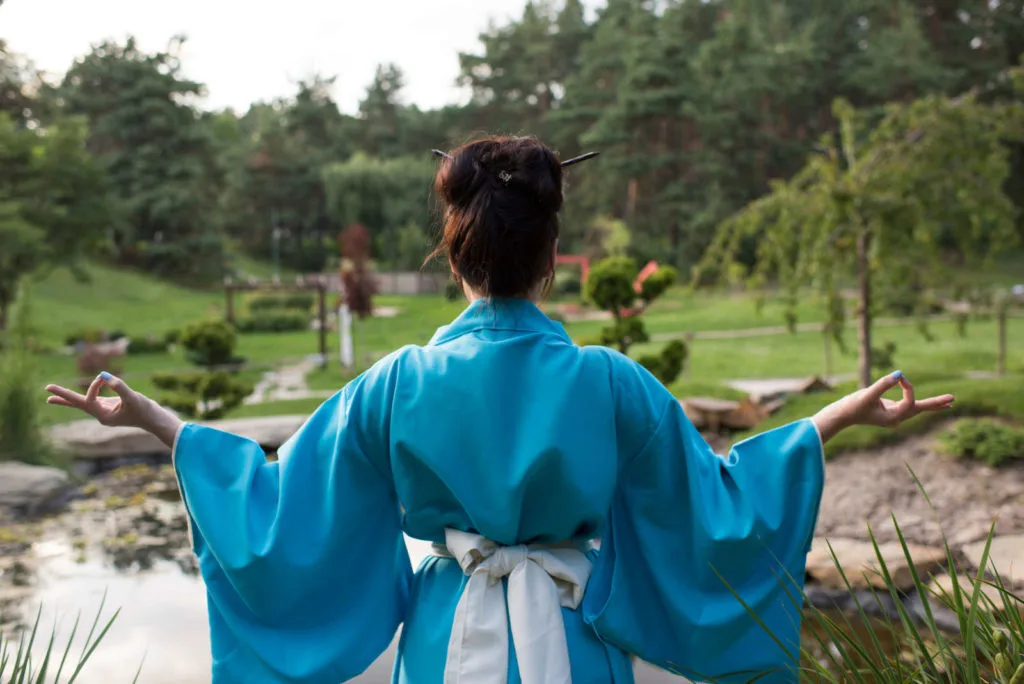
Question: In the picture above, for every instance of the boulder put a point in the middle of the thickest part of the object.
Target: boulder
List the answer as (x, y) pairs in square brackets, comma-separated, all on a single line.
[(1006, 555), (860, 564), (942, 587), (31, 489), (88, 439)]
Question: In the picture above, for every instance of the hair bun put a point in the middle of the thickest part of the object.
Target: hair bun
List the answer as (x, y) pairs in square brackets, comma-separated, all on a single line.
[(523, 168)]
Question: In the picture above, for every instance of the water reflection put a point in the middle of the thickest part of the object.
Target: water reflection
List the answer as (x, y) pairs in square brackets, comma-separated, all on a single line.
[(162, 623)]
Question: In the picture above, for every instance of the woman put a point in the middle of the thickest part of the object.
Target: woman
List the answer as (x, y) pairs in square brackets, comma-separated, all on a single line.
[(511, 449)]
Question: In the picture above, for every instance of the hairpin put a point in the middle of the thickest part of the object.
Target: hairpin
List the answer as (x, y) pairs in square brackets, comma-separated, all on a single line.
[(567, 162), (581, 158), (504, 176)]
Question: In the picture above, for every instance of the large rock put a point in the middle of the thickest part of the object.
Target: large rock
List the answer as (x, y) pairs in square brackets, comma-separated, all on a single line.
[(860, 564), (32, 489), (89, 439), (942, 587), (1006, 554)]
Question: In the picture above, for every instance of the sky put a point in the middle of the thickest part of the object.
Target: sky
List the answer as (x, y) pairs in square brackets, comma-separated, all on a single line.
[(251, 51)]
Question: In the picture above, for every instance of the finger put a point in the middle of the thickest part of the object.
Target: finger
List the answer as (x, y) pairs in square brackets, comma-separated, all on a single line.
[(118, 385), (908, 395), (74, 398), (94, 389), (59, 401), (883, 385), (935, 403)]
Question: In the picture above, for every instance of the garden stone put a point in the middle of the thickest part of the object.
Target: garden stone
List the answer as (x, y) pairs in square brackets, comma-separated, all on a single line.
[(31, 489), (942, 588), (89, 440), (1006, 554), (860, 564)]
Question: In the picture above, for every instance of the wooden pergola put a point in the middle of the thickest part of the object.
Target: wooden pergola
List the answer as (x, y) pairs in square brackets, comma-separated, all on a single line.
[(317, 284)]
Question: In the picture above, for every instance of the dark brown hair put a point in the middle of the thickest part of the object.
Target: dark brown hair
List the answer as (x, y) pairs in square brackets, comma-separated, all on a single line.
[(501, 197)]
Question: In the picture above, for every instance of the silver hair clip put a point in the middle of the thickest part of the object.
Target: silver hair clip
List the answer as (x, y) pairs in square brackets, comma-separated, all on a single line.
[(504, 176)]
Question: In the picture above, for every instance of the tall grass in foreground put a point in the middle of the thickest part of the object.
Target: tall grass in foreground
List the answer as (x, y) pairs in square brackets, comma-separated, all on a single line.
[(877, 647), (18, 667)]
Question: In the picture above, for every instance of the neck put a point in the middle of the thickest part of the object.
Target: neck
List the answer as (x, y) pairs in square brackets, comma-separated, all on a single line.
[(533, 296)]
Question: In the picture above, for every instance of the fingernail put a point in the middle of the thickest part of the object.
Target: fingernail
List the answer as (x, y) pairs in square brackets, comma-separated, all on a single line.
[(897, 375), (106, 376)]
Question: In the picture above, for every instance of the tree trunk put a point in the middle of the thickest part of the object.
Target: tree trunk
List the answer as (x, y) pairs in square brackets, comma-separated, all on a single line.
[(1001, 354), (827, 338), (864, 310), (4, 307)]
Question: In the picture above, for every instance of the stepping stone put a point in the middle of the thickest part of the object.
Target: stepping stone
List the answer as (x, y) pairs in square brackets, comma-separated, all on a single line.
[(860, 564), (1006, 554), (942, 587)]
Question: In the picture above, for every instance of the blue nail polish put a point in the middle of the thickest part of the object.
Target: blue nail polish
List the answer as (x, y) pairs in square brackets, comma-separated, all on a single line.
[(897, 375), (106, 376)]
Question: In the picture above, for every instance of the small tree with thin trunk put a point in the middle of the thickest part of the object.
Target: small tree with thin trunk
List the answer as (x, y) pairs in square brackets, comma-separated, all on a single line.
[(611, 286), (884, 207), (356, 278)]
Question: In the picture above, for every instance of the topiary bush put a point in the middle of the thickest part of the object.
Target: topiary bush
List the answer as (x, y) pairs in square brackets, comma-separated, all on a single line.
[(667, 365), (205, 396), (452, 291), (146, 345), (210, 343), (611, 287), (990, 441), (610, 284), (297, 301), (273, 321)]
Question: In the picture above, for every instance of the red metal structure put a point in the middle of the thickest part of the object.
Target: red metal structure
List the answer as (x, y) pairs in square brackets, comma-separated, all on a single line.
[(581, 261)]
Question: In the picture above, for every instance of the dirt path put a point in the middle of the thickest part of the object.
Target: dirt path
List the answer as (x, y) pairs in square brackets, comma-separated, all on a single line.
[(868, 486)]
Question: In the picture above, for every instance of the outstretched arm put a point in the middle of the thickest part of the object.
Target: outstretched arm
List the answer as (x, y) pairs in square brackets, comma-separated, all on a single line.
[(868, 407), (128, 409)]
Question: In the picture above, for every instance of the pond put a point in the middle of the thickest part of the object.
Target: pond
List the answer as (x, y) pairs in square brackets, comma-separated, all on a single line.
[(124, 545)]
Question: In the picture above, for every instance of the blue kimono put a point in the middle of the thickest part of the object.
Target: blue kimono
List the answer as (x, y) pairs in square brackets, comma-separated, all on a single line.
[(511, 449)]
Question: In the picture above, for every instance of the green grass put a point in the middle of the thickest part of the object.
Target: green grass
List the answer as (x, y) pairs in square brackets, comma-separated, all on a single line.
[(130, 301)]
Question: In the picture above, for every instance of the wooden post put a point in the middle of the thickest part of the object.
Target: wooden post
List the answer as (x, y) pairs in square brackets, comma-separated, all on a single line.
[(229, 294), (321, 291), (827, 336), (688, 364), (1001, 354)]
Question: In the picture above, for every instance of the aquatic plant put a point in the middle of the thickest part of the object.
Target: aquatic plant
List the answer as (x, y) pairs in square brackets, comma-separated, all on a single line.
[(891, 645), (17, 665)]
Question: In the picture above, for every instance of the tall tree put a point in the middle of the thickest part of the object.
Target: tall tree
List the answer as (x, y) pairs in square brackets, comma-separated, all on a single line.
[(380, 112), (885, 201), (53, 201), (158, 152)]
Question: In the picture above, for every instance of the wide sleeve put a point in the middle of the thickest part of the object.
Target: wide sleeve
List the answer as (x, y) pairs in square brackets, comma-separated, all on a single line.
[(304, 561), (696, 545)]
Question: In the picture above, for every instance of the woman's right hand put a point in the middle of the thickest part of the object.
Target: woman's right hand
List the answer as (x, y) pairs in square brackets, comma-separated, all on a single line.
[(128, 409), (869, 407)]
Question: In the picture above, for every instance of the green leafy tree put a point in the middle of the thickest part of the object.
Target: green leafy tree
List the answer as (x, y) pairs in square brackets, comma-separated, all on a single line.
[(610, 286), (53, 201), (885, 204), (159, 153), (385, 196)]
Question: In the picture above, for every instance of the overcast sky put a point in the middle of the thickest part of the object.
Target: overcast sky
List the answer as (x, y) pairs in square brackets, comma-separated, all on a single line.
[(244, 54)]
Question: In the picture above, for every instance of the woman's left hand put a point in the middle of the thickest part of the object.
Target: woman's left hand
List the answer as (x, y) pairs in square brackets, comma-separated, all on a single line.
[(869, 407)]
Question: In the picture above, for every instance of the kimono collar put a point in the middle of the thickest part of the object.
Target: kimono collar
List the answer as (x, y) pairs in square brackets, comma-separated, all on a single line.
[(500, 314)]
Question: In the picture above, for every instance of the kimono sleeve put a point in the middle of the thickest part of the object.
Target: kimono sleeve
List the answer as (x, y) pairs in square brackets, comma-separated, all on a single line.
[(304, 561), (692, 536)]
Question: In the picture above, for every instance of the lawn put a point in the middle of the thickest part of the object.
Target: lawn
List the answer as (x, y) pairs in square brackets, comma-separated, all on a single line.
[(138, 305)]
